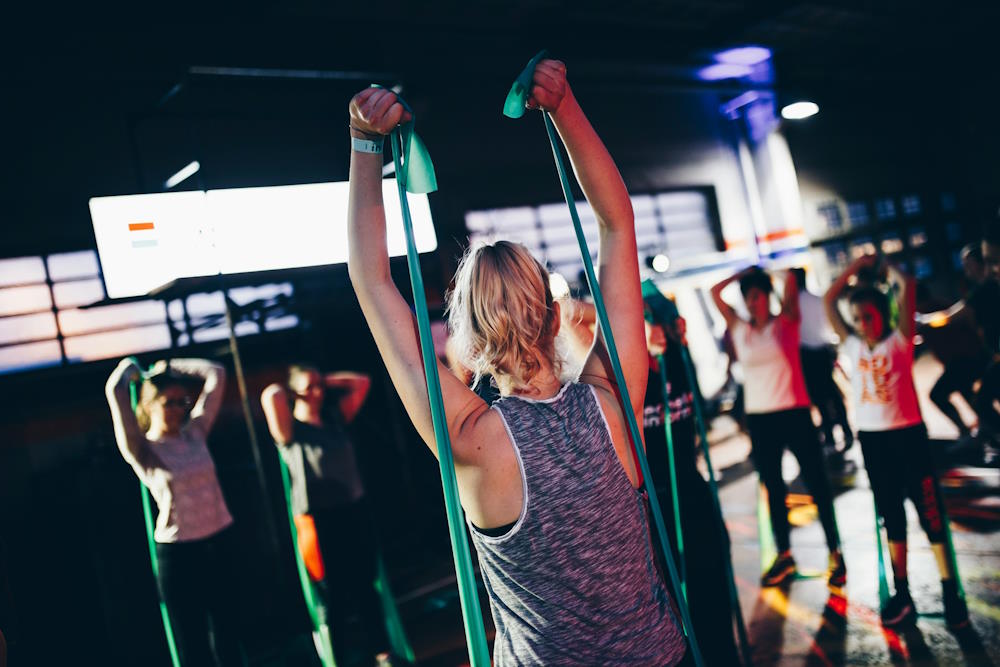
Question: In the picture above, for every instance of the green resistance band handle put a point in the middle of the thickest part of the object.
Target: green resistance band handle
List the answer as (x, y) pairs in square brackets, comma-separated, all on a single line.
[(317, 611), (609, 340), (147, 513), (672, 466), (699, 418), (475, 633)]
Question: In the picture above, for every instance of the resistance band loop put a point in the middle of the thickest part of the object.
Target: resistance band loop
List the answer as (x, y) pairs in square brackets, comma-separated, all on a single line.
[(317, 610), (675, 496), (519, 91), (412, 160), (699, 419), (147, 513)]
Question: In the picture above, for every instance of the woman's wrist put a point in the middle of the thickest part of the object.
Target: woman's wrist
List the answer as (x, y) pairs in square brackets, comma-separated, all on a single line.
[(358, 133)]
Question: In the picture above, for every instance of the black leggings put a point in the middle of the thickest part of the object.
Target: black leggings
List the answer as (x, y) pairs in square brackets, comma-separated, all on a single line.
[(770, 434), (349, 548), (197, 583), (899, 466)]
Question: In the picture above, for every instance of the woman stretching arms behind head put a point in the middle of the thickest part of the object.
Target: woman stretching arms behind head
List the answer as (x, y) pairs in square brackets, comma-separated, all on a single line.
[(546, 476), (891, 429)]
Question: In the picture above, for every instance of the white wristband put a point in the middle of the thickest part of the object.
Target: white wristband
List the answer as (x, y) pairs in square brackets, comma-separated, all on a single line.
[(366, 146)]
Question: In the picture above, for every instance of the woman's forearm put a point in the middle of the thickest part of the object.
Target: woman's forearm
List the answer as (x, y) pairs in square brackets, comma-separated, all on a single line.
[(595, 169)]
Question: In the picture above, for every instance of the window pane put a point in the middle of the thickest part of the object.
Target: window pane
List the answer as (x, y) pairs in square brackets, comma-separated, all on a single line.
[(27, 299), (27, 327), (244, 295), (32, 355), (68, 265), (222, 331), (282, 322), (78, 292), (117, 343), (77, 321), (22, 271)]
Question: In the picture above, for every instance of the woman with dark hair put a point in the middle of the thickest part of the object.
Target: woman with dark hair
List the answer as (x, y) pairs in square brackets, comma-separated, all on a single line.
[(164, 440), (546, 476), (307, 418), (778, 412), (891, 430)]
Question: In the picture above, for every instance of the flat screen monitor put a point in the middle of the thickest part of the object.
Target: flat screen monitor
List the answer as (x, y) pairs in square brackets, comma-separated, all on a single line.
[(147, 240)]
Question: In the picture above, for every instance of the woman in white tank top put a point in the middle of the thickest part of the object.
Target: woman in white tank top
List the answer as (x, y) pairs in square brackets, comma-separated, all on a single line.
[(778, 414), (891, 429)]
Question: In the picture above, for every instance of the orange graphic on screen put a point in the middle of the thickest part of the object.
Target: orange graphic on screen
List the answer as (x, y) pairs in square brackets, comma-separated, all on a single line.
[(143, 240), (875, 380)]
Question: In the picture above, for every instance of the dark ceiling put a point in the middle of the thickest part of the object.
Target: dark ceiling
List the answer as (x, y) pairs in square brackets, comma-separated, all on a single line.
[(85, 114)]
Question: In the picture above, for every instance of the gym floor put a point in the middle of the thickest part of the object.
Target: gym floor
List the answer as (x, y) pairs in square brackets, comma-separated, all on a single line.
[(803, 623)]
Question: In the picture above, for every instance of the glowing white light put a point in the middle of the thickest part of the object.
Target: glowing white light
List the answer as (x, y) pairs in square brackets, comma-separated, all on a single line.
[(185, 173), (661, 263), (799, 110), (147, 240), (558, 285)]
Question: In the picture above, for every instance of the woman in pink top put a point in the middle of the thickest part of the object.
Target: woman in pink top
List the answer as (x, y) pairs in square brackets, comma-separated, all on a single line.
[(891, 429), (163, 440), (777, 409)]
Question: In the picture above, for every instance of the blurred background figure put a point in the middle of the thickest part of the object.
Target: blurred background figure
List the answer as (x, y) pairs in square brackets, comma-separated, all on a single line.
[(164, 440), (819, 357), (778, 416), (336, 534)]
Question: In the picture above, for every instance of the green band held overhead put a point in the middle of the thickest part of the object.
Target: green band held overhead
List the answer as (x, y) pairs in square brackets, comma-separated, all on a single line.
[(519, 88), (472, 616), (414, 170)]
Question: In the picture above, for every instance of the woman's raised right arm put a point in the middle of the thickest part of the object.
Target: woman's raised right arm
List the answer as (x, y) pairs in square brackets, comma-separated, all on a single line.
[(375, 112), (130, 438)]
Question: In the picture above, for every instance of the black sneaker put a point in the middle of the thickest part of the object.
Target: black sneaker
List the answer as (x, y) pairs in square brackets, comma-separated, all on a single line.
[(956, 614), (782, 569), (837, 577), (899, 610)]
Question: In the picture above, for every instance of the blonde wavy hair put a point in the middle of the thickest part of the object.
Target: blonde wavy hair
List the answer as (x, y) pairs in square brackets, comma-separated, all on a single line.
[(502, 315)]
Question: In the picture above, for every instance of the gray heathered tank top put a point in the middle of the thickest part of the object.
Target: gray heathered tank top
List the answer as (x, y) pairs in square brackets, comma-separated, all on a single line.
[(573, 582)]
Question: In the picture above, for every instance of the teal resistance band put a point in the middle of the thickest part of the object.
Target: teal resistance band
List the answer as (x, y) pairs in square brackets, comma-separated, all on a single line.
[(398, 639), (672, 465), (734, 595), (883, 584), (664, 310), (317, 610), (415, 173), (147, 514), (514, 107)]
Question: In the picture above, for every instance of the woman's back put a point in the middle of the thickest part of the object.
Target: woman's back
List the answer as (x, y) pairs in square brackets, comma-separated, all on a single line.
[(574, 580)]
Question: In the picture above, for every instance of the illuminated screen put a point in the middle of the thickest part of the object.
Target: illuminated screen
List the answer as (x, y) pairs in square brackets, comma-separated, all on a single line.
[(145, 241)]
